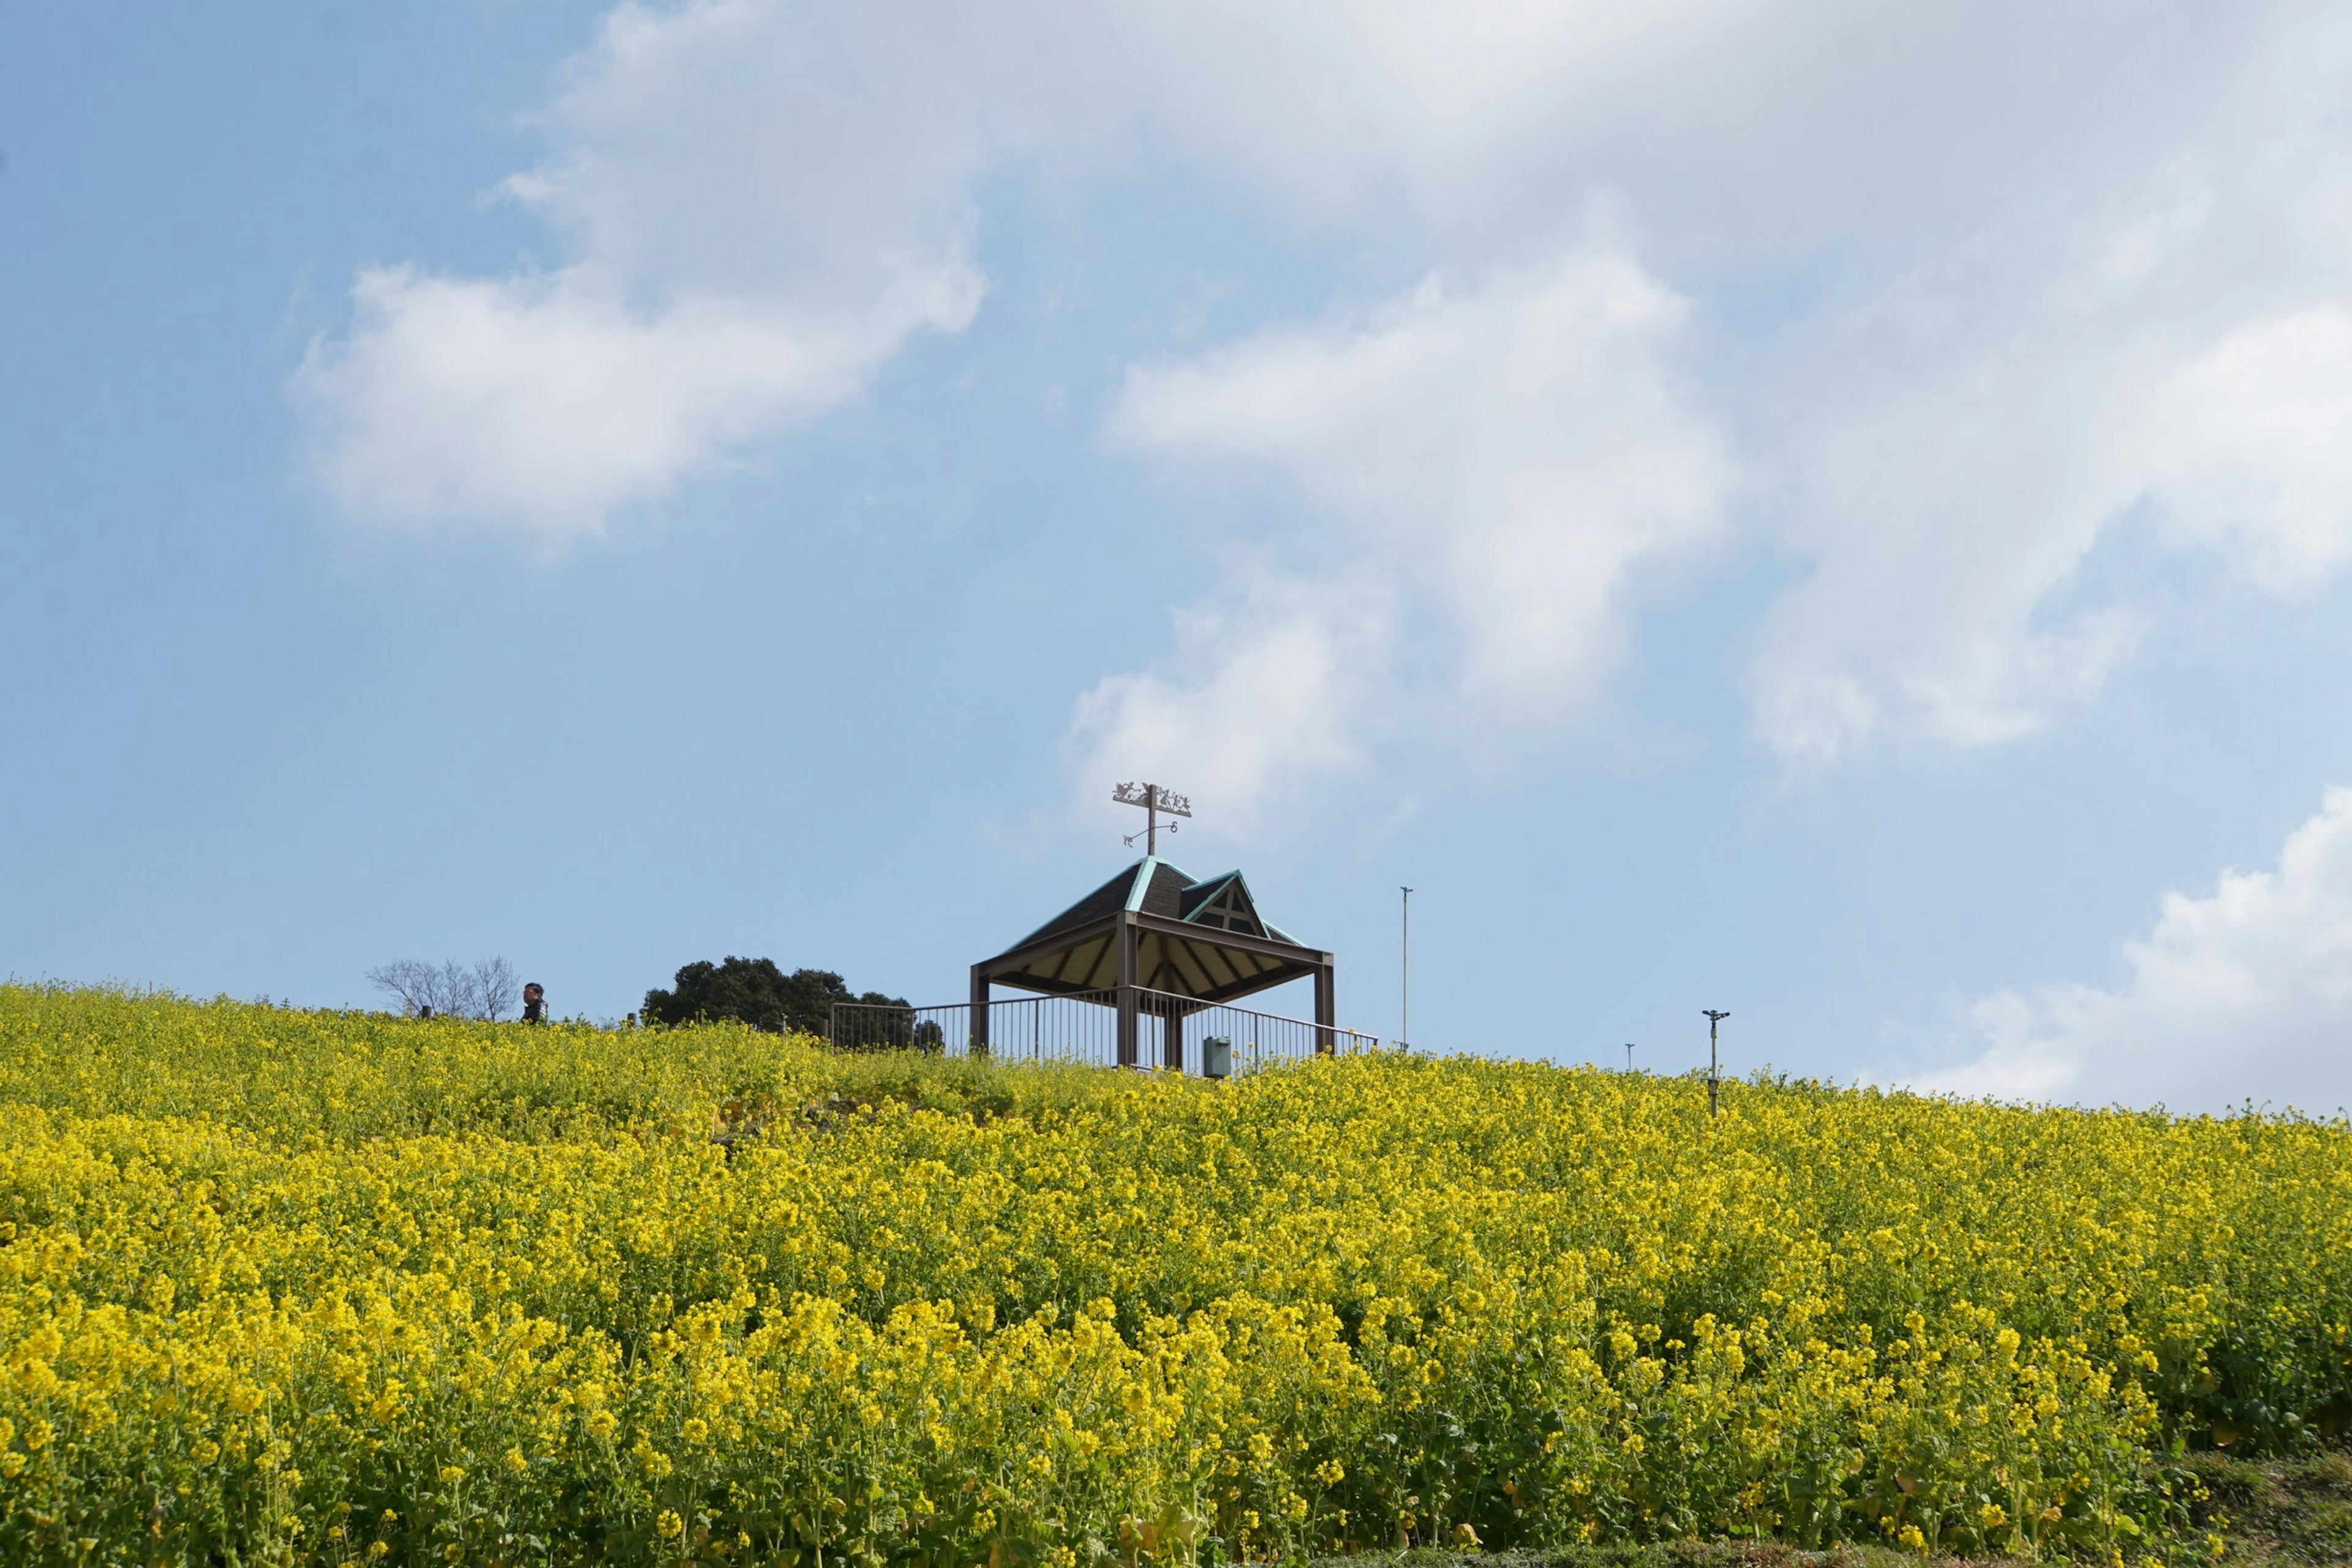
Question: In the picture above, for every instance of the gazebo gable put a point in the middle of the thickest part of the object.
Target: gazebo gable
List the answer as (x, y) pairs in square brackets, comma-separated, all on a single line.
[(1224, 903)]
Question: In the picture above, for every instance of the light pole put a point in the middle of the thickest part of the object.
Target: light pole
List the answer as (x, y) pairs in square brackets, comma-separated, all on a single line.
[(1404, 970), (1713, 1068), (1629, 1055)]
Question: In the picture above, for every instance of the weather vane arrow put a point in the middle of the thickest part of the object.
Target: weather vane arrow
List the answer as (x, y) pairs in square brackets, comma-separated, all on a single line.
[(1154, 800)]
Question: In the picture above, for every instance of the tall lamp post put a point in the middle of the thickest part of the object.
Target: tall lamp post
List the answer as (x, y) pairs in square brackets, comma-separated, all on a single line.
[(1405, 971)]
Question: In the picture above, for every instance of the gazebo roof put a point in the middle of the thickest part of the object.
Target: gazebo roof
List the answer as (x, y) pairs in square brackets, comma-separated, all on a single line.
[(1200, 938)]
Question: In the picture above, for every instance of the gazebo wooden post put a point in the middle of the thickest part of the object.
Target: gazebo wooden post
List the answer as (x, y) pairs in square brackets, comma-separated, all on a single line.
[(979, 1009), (1173, 1034), (1327, 1007), (1127, 938)]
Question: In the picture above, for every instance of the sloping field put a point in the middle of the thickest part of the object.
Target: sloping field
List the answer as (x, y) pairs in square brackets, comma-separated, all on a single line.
[(278, 1286)]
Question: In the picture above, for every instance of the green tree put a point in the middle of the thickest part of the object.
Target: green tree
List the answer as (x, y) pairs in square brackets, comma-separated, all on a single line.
[(754, 991)]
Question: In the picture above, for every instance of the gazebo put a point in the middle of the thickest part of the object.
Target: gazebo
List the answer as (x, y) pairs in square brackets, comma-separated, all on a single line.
[(1156, 940)]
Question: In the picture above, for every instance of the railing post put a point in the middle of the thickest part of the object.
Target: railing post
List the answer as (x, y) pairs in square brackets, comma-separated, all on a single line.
[(978, 1044), (1172, 1036), (1127, 998)]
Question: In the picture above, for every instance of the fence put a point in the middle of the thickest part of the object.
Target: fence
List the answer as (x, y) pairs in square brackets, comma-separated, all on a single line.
[(1260, 1039), (1079, 1028), (1085, 1029)]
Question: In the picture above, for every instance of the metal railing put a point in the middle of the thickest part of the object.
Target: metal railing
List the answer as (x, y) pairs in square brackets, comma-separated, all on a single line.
[(1084, 1028), (1259, 1039)]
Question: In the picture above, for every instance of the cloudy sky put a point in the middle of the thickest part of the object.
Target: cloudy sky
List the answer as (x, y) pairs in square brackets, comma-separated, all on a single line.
[(1834, 513)]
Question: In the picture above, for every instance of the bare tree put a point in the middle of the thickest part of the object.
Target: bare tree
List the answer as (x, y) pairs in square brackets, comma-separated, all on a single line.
[(417, 983), (495, 988), (452, 990)]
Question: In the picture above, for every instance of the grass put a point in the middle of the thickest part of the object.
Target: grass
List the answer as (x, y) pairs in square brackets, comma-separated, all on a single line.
[(2281, 1511), (2269, 1513), (1657, 1554)]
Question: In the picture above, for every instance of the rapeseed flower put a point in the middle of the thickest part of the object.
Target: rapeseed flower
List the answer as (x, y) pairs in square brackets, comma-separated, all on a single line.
[(270, 1275)]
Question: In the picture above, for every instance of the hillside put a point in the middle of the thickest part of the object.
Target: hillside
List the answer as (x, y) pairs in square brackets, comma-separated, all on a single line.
[(314, 1286)]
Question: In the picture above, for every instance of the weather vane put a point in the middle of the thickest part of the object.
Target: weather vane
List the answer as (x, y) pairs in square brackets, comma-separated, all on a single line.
[(1154, 800)]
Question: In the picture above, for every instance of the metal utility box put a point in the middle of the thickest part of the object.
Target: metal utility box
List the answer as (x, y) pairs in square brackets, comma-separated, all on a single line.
[(1216, 1057)]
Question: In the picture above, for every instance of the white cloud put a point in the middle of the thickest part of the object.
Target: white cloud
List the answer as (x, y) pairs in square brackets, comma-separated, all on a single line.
[(762, 213), (1499, 459), (759, 202), (544, 405), (2171, 359), (2250, 445), (1940, 516), (2245, 993), (2057, 267), (2114, 298), (1279, 686)]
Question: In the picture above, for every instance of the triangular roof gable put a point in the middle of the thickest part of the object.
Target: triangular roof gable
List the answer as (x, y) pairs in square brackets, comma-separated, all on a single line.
[(1226, 903)]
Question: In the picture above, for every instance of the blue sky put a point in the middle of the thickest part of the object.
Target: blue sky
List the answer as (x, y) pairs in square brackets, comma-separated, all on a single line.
[(1835, 517)]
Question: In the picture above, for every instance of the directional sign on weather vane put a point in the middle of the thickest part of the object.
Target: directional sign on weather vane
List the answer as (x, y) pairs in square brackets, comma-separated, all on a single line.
[(1152, 797)]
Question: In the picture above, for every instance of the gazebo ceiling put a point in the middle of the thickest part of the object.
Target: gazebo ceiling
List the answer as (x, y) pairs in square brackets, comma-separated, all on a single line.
[(1200, 939)]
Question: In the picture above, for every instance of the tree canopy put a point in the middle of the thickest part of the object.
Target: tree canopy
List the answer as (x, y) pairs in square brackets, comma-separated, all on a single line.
[(754, 991)]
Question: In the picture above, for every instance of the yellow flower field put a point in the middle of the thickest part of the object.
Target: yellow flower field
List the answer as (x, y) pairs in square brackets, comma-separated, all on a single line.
[(289, 1287)]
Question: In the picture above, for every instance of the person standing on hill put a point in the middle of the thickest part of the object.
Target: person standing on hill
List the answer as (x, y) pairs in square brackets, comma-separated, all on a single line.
[(534, 1004)]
